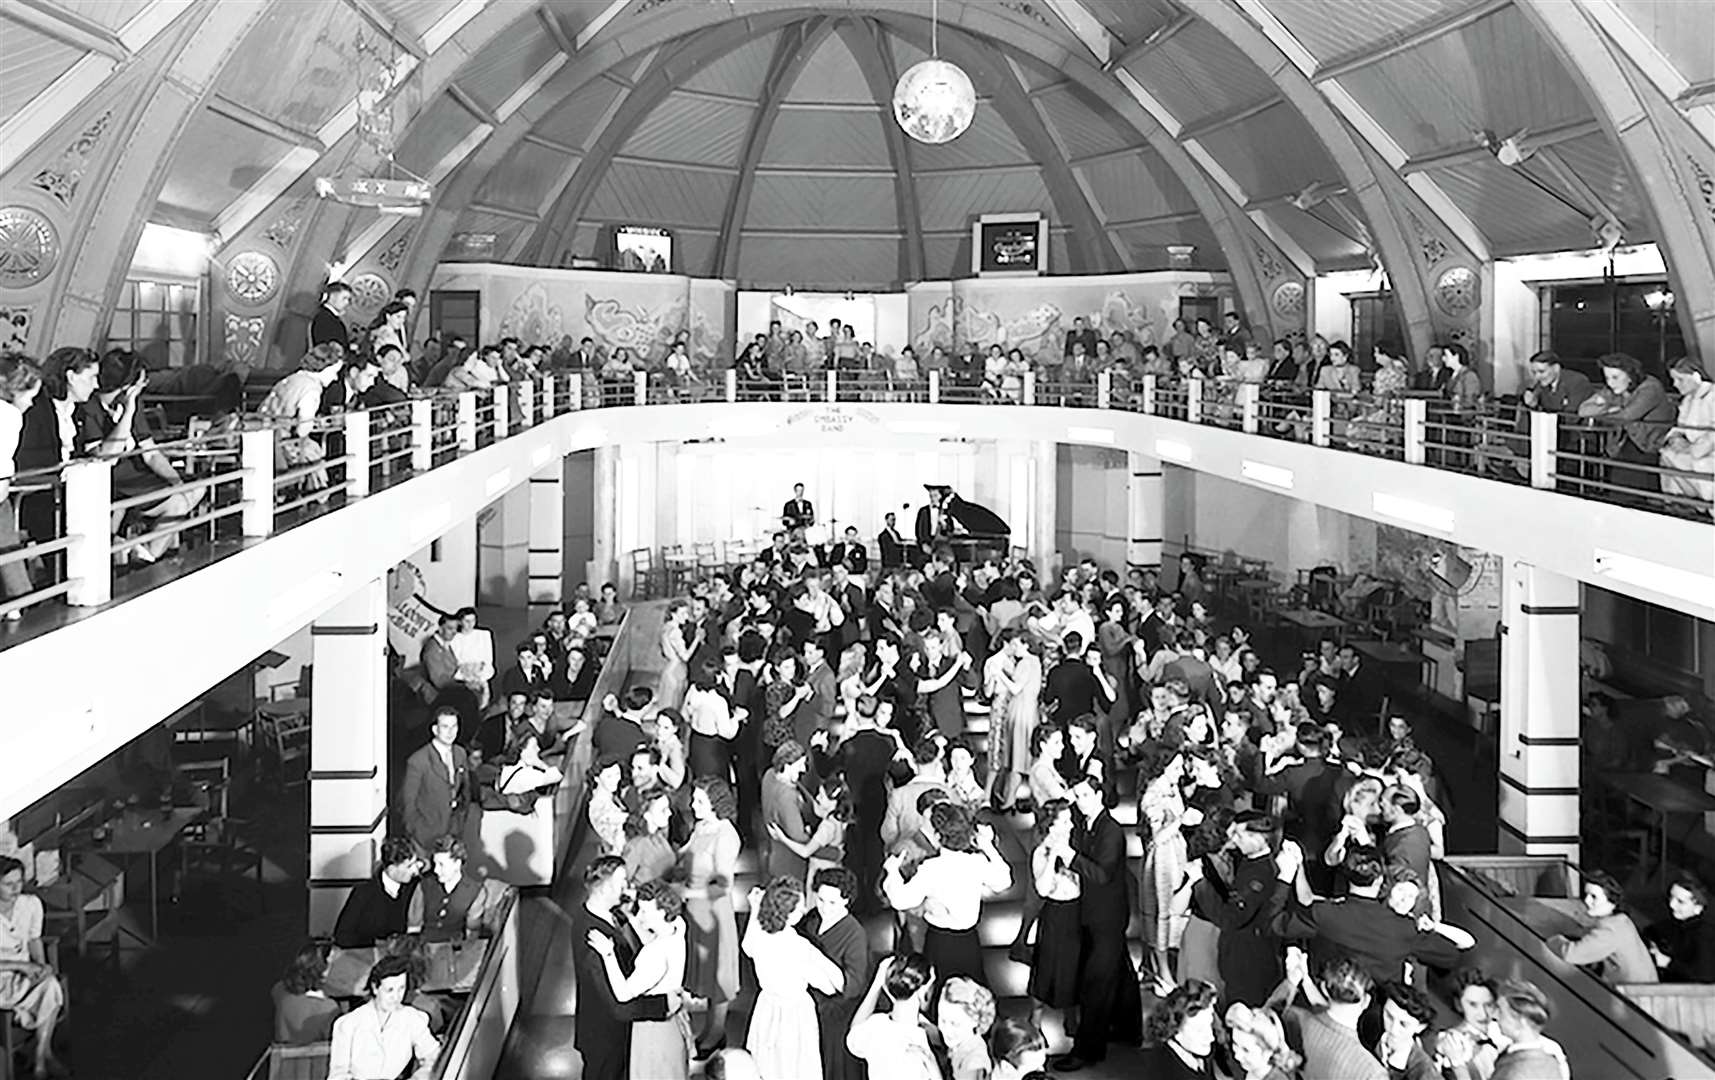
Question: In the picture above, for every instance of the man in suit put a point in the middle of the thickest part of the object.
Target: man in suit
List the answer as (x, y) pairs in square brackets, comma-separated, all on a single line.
[(798, 513), (842, 939), (902, 828), (1077, 685), (1433, 375), (1085, 758), (435, 792), (1406, 844), (531, 672), (849, 553), (1373, 934), (328, 323), (440, 667), (1553, 388), (816, 714), (1358, 694), (1112, 1011), (931, 523), (890, 543), (602, 1029)]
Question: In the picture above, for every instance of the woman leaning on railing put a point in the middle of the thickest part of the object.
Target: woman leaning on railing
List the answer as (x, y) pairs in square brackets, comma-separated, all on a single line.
[(1690, 446), (20, 382)]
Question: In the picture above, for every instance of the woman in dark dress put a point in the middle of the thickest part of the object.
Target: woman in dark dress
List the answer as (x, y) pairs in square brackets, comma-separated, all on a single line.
[(112, 419), (1179, 1037), (50, 435), (865, 760), (1683, 945), (1054, 962)]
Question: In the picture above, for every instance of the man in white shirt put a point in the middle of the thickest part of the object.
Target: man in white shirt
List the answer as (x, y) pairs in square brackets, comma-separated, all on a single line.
[(1067, 617), (473, 647)]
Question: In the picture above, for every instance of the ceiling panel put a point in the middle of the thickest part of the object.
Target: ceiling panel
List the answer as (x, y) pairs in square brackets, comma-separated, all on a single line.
[(828, 202), (416, 15), (1035, 73), (32, 61), (694, 253), (741, 72), (1331, 28), (109, 13), (646, 195), (1198, 72), (988, 141), (216, 161), (1322, 233), (947, 256), (948, 202), (317, 44), (852, 263), (1133, 20), (697, 130), (831, 138), (526, 177), (440, 128), (1497, 75), (831, 74), (1272, 152), (1514, 216), (1136, 185), (1596, 161), (575, 120), (1085, 125), (507, 62), (505, 229), (1684, 31), (1147, 245)]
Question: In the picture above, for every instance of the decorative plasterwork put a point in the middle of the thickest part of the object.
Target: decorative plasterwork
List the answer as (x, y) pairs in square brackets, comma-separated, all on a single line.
[(243, 338), (1288, 299), (1267, 263), (252, 277), (1458, 291), (395, 253), (1431, 247), (29, 247), (61, 179), (285, 227)]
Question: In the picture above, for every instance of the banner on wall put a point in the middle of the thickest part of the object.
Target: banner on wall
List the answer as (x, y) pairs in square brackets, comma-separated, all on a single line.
[(410, 618)]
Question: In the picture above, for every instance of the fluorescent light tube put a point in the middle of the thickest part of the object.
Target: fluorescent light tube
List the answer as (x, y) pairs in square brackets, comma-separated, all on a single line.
[(1172, 450), (1413, 512), (1262, 473), (1667, 580)]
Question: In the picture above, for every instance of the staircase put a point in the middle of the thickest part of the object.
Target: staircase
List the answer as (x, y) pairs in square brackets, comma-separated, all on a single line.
[(540, 1044)]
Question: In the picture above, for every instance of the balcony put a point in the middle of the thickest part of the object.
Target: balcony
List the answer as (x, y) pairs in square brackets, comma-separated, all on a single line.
[(279, 538)]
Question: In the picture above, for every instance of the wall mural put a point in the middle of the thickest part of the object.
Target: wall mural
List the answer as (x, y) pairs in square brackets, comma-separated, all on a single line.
[(14, 328), (1037, 317), (1403, 556)]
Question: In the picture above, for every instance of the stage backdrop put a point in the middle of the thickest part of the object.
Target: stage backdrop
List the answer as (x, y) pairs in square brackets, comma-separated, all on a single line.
[(1035, 314), (643, 312)]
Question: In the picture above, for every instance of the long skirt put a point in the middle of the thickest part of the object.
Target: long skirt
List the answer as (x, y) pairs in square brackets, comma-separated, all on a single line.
[(785, 1037), (1055, 969), (709, 755), (954, 952), (711, 965), (1164, 913), (661, 1049), (31, 1000), (1199, 953)]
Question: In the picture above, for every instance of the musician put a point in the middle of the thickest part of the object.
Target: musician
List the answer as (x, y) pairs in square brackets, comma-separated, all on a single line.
[(890, 543), (849, 553), (932, 523), (798, 513), (950, 519)]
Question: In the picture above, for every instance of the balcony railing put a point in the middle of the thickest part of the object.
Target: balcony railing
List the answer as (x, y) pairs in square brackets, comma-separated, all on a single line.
[(260, 476)]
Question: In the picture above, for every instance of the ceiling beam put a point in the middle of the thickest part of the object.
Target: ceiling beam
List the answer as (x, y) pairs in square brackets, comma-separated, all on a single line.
[(1179, 218), (67, 27), (1466, 153), (687, 166), (1227, 118), (556, 29), (1156, 38), (239, 113), (552, 144), (794, 49), (178, 217), (1338, 67), (387, 27), (504, 212), (1121, 154), (471, 105), (1268, 202), (875, 59)]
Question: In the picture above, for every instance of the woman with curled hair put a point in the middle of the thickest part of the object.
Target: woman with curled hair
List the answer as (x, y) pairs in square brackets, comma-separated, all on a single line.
[(648, 853), (1054, 966), (1257, 1046), (1639, 415), (303, 1013), (784, 1035), (1612, 945), (50, 433), (112, 420), (950, 887), (1017, 1048), (1179, 1036), (380, 1039), (707, 863), (783, 811), (1690, 446), (20, 382), (660, 1049), (29, 986), (894, 1044)]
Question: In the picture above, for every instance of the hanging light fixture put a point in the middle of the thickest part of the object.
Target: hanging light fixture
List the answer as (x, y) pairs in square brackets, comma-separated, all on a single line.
[(400, 191), (934, 100)]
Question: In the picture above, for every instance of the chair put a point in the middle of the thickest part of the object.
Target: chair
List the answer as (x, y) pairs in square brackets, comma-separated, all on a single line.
[(643, 574), (739, 553), (708, 557), (15, 1039), (283, 735), (213, 844), (282, 1062)]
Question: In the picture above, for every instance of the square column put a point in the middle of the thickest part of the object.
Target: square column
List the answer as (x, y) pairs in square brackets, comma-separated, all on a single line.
[(348, 749), (1144, 513), (546, 556), (1540, 719)]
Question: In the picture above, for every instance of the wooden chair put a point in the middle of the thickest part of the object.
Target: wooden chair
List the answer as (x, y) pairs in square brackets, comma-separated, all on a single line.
[(708, 557), (282, 1062), (643, 574), (215, 844), (283, 736)]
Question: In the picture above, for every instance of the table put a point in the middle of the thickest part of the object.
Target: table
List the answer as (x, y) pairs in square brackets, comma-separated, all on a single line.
[(1661, 797), (453, 968), (1308, 623), (144, 834), (1549, 916), (1389, 653)]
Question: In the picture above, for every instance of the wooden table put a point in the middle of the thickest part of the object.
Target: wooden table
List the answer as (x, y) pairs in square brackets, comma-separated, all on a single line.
[(1308, 624), (1662, 798), (143, 835), (453, 968), (1388, 654)]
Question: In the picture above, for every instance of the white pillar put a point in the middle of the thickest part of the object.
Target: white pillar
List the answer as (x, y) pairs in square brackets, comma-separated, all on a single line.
[(256, 457), (1539, 726), (356, 454), (608, 562), (1144, 520), (1044, 544), (89, 527), (467, 420), (502, 550), (546, 561), (348, 749)]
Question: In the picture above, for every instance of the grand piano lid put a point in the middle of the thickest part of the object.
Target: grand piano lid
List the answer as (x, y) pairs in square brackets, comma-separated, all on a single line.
[(974, 518)]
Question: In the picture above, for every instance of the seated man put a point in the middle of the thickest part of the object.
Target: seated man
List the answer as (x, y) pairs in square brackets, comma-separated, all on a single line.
[(377, 909), (449, 903)]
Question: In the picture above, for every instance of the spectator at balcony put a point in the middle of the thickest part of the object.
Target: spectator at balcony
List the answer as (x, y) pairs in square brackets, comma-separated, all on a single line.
[(1305, 378), (1552, 388), (112, 420), (1612, 945), (1319, 356), (303, 1013), (1282, 365), (1640, 413), (965, 371), (327, 326), (1392, 376), (20, 382), (1080, 334), (1339, 375), (389, 327), (377, 908), (1234, 332), (1464, 386), (1434, 374), (1206, 349), (394, 383), (1180, 343), (479, 371), (1690, 446), (356, 377), (297, 398)]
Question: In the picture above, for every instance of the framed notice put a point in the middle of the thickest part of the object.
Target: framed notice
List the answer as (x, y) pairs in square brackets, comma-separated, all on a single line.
[(1009, 245)]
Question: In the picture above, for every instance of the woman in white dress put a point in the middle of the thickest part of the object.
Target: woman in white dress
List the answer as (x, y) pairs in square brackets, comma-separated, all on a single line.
[(660, 1049), (784, 1035), (1023, 710), (998, 684), (28, 986), (1690, 447), (677, 645), (607, 813)]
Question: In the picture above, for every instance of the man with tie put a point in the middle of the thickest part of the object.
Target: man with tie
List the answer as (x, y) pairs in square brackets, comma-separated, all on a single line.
[(848, 553), (797, 513), (328, 325), (1112, 1011), (435, 793), (931, 523), (890, 543), (602, 1029)]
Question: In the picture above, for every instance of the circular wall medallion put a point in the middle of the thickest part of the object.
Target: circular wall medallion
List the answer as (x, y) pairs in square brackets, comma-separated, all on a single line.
[(1457, 290), (252, 277), (1288, 299), (369, 293), (29, 247)]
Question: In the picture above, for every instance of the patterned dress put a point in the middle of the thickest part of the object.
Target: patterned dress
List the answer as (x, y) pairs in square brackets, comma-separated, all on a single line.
[(709, 860)]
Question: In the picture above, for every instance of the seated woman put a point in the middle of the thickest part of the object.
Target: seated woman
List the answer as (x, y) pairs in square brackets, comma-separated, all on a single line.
[(1683, 945), (29, 986), (448, 903), (295, 400), (1690, 446), (1640, 413), (303, 1013), (20, 382), (112, 419), (1613, 944), (378, 1040), (618, 377)]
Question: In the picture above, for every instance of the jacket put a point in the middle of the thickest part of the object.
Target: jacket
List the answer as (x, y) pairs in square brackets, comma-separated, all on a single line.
[(431, 802)]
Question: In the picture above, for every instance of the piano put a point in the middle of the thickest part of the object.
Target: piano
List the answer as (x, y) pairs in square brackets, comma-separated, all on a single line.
[(971, 530)]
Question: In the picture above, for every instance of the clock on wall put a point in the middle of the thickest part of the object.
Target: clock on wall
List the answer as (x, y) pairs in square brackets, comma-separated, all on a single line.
[(1009, 245)]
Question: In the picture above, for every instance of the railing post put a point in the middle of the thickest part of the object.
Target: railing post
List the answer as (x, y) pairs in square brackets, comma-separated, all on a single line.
[(356, 453), (256, 488), (1250, 406), (1321, 417), (731, 385), (1194, 400), (502, 403), (833, 386), (1104, 390), (422, 438), (549, 385), (640, 387), (1416, 430), (1544, 440), (934, 388), (467, 420), (527, 403), (1030, 387), (89, 527), (1149, 384)]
